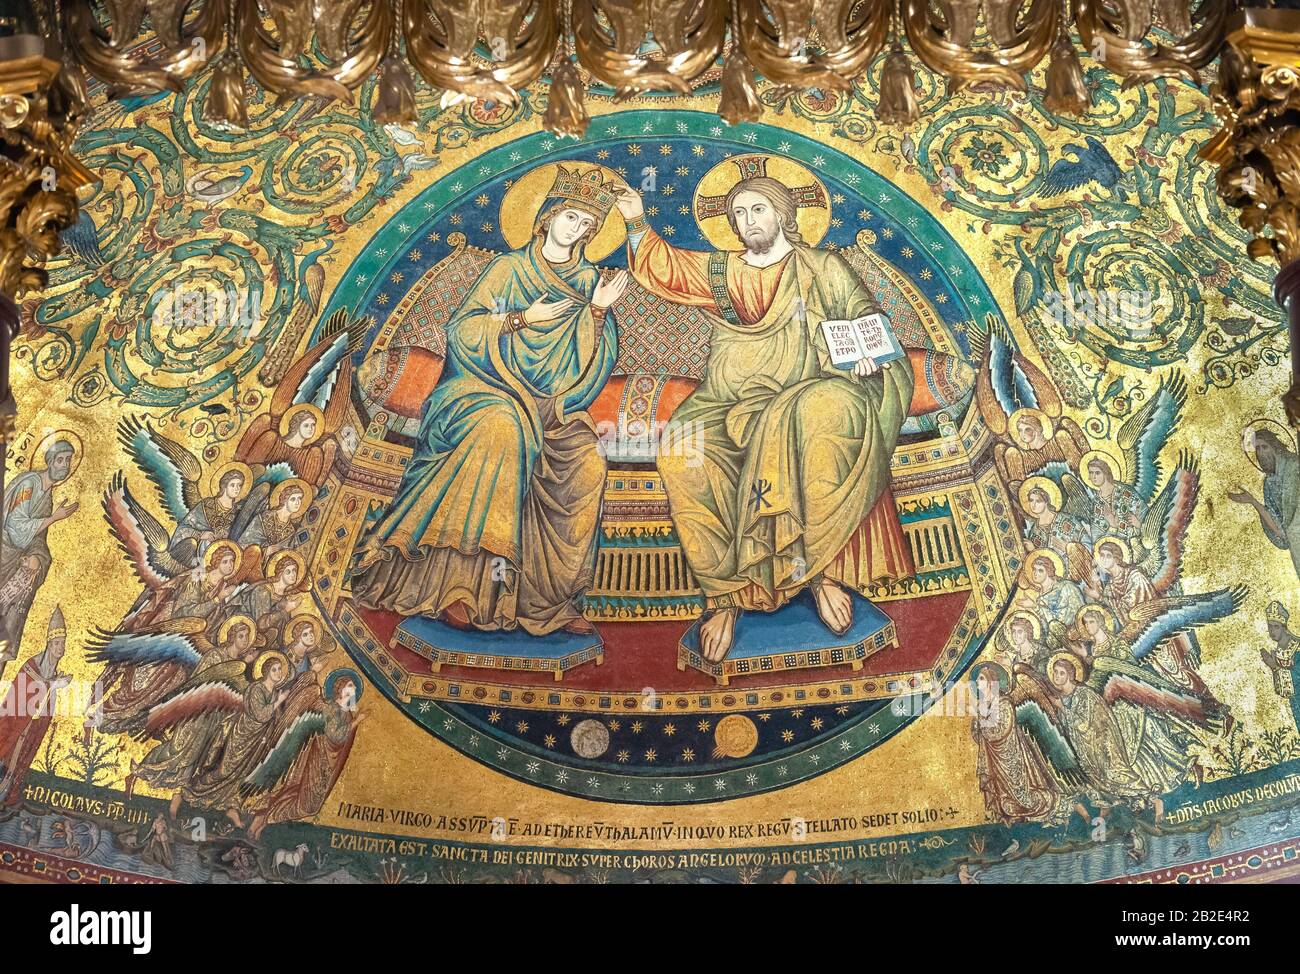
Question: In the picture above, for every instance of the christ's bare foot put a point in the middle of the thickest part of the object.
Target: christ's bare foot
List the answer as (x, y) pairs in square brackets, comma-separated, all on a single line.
[(580, 627), (834, 607), (716, 633)]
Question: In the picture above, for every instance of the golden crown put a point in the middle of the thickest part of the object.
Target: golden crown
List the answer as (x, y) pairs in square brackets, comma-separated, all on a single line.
[(586, 190), (1276, 612)]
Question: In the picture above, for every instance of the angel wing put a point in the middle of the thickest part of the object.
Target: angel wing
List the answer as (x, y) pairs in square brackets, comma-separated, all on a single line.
[(1028, 684), (1057, 635), (218, 688), (1151, 622), (1079, 566), (1006, 380), (284, 754), (322, 377), (1076, 499), (140, 535), (1143, 435), (1116, 679), (1166, 522), (174, 471), (1044, 732), (259, 496), (174, 644)]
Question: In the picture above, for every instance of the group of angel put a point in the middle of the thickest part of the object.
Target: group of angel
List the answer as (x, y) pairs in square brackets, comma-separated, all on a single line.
[(221, 663), (1092, 698)]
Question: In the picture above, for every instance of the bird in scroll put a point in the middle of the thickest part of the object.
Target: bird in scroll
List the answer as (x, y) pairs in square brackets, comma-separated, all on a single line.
[(82, 238), (1092, 163)]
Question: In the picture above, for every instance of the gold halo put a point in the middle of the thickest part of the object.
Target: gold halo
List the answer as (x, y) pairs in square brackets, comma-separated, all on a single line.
[(273, 564), (1248, 437), (224, 632), (1004, 678), (266, 658), (813, 221), (71, 438), (1101, 456), (1076, 664), (278, 491), (295, 622), (210, 556), (1097, 609), (1035, 623), (1125, 551), (1044, 423), (1050, 555), (1047, 485), (303, 407), (523, 201), (214, 482)]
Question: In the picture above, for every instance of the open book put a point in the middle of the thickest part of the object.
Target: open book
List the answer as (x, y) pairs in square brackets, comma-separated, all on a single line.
[(867, 337)]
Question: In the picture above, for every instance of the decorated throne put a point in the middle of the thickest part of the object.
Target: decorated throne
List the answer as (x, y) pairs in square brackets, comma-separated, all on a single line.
[(641, 573)]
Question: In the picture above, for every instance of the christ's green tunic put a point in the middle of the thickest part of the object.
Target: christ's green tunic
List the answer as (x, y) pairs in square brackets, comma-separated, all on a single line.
[(774, 464)]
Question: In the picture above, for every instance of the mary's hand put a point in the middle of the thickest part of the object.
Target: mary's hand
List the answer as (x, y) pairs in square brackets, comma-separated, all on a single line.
[(608, 292), (543, 310)]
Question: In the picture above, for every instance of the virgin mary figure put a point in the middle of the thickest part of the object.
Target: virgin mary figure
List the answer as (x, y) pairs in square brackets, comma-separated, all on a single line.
[(494, 522)]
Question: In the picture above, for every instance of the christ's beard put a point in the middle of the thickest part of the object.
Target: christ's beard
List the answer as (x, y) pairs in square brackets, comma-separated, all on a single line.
[(759, 241)]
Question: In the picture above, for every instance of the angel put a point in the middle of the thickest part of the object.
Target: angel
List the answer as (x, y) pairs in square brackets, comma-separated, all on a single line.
[(1020, 640), (1145, 706), (1116, 501), (173, 585), (190, 724), (308, 409), (303, 644), (311, 747), (141, 669), (204, 592), (1017, 782), (273, 526), (1154, 608), (176, 474), (1046, 525), (1098, 746), (219, 784), (1049, 591), (276, 598), (1020, 407)]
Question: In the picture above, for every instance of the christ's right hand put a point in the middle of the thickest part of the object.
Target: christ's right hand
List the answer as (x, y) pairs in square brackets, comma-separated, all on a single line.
[(543, 310), (630, 204)]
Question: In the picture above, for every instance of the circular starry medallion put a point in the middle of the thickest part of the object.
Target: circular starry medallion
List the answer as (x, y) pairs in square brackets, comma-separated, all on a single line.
[(641, 716)]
